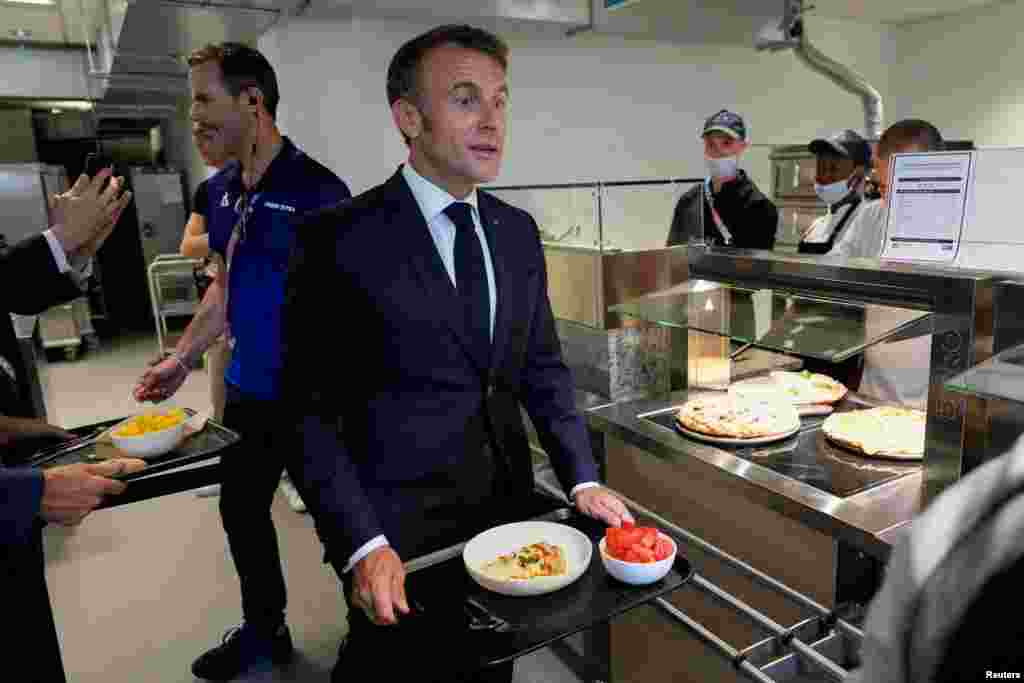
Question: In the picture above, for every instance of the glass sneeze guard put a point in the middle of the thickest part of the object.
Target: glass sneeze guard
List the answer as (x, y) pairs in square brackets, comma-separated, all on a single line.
[(798, 324), (999, 377)]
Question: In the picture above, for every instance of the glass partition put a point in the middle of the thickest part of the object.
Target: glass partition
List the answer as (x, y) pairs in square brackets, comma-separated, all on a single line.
[(567, 215), (797, 324), (1001, 376)]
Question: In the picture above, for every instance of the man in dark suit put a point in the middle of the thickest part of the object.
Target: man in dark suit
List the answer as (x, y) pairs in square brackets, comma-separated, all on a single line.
[(38, 273), (415, 440)]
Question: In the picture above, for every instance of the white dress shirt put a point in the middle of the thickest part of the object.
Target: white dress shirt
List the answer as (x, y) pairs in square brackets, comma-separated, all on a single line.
[(432, 201), (78, 272)]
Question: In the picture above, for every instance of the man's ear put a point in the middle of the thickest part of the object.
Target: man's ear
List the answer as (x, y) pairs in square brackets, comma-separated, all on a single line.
[(252, 97), (408, 118)]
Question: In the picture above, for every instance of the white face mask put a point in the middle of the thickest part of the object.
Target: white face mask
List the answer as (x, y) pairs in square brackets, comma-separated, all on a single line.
[(833, 193), (726, 167)]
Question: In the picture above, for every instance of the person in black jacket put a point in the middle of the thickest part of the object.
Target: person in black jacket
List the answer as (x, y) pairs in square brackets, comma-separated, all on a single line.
[(735, 212), (37, 273)]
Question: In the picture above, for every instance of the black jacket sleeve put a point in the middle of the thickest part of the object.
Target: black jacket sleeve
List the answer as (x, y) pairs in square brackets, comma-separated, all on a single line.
[(29, 280)]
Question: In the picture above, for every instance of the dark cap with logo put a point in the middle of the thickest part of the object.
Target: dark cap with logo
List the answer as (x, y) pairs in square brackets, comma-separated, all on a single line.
[(846, 143), (727, 122)]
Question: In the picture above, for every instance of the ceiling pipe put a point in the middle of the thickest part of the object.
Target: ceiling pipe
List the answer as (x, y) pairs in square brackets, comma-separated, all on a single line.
[(790, 34)]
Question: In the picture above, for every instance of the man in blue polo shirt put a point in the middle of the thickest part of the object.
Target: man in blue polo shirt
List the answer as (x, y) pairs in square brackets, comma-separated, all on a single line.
[(253, 203)]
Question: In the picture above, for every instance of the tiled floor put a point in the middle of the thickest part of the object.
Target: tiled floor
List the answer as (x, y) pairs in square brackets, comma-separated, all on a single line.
[(139, 591)]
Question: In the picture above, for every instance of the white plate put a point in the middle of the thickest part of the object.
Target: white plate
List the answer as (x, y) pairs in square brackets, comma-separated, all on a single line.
[(507, 538), (727, 441)]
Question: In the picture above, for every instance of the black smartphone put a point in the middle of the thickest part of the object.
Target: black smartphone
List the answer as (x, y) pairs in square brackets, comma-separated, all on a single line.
[(94, 163)]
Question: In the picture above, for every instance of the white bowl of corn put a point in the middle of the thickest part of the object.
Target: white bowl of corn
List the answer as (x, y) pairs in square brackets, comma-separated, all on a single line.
[(150, 434)]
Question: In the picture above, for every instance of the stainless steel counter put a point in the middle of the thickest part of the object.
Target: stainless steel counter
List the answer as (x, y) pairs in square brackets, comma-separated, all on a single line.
[(865, 521)]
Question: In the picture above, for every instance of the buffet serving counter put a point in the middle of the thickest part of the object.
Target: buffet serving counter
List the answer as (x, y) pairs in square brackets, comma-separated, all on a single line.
[(809, 514)]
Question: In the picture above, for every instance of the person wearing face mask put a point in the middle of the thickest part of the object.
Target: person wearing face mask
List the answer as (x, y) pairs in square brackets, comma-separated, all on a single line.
[(842, 163), (735, 212)]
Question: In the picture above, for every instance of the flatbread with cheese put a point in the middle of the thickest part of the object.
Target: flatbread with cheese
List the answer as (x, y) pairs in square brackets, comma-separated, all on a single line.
[(887, 431), (529, 562), (809, 387), (737, 417)]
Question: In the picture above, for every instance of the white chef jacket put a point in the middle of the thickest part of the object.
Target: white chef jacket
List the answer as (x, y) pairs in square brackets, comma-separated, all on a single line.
[(896, 372), (822, 228), (863, 236)]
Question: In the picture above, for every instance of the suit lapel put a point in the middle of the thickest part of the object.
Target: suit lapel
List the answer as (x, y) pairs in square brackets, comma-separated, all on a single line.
[(490, 219), (427, 262)]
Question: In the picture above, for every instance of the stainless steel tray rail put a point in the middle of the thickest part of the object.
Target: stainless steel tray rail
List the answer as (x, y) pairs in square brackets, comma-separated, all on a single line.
[(789, 651)]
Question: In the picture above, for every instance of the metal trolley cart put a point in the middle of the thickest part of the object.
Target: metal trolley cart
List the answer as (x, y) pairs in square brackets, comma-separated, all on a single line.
[(173, 293)]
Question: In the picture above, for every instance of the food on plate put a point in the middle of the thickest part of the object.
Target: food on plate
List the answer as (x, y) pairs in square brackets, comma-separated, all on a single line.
[(529, 562), (631, 543), (884, 431), (151, 422), (809, 387), (738, 417)]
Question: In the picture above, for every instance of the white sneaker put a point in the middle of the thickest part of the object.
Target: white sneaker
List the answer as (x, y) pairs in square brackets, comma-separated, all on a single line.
[(292, 496)]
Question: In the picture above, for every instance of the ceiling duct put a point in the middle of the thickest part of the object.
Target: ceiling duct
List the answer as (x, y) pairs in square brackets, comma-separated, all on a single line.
[(789, 33)]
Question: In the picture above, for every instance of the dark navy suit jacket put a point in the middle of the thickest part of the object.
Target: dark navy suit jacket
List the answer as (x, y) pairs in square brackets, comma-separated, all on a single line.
[(396, 419), (29, 284)]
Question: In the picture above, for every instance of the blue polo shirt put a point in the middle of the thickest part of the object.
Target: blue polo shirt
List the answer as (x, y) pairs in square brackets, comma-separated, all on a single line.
[(293, 184)]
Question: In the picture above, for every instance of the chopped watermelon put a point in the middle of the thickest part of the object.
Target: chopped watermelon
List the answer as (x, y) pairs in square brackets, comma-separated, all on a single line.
[(631, 543)]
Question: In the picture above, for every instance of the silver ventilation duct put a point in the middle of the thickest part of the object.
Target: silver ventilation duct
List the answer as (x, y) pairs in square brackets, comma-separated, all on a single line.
[(790, 34)]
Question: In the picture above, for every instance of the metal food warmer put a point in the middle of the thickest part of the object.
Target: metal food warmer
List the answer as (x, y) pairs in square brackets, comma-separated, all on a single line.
[(808, 524)]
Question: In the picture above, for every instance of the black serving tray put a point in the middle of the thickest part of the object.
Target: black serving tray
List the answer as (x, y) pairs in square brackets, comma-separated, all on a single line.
[(187, 467), (438, 594)]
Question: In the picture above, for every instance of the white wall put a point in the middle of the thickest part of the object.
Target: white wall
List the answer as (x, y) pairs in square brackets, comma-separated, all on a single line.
[(44, 73), (589, 108), (964, 74)]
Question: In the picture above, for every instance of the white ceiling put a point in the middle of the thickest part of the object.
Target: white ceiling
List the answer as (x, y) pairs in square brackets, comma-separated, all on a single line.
[(867, 11), (893, 11)]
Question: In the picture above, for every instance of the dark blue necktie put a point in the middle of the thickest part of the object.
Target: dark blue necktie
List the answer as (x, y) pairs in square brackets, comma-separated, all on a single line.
[(471, 281)]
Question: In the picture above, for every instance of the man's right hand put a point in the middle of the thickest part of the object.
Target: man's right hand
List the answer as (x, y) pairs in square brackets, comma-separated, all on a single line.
[(379, 586), (83, 215), (71, 492), (160, 381)]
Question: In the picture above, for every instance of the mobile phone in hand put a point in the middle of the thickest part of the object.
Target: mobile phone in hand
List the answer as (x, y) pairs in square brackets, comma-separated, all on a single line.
[(94, 163)]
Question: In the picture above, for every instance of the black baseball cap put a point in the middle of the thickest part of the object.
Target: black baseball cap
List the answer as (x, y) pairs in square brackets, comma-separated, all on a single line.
[(846, 143), (727, 122)]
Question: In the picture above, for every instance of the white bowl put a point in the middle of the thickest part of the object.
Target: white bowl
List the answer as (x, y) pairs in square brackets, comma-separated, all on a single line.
[(638, 573), (502, 540), (150, 444)]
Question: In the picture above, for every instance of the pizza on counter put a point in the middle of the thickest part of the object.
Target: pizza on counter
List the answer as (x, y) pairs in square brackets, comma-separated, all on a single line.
[(809, 387), (529, 562), (888, 431), (737, 417)]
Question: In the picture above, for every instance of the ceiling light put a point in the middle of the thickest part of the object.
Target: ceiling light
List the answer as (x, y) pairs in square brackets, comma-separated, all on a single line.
[(56, 111), (29, 2)]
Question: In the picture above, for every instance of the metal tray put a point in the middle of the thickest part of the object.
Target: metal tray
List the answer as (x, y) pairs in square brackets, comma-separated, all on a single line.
[(184, 468), (516, 626)]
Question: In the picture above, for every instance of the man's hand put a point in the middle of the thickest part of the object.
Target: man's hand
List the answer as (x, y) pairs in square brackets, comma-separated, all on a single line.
[(83, 216), (160, 381), (379, 586), (71, 492), (14, 428), (599, 503)]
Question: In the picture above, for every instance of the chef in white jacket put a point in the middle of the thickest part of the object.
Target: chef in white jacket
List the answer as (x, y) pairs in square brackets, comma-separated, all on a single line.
[(894, 372), (842, 162)]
